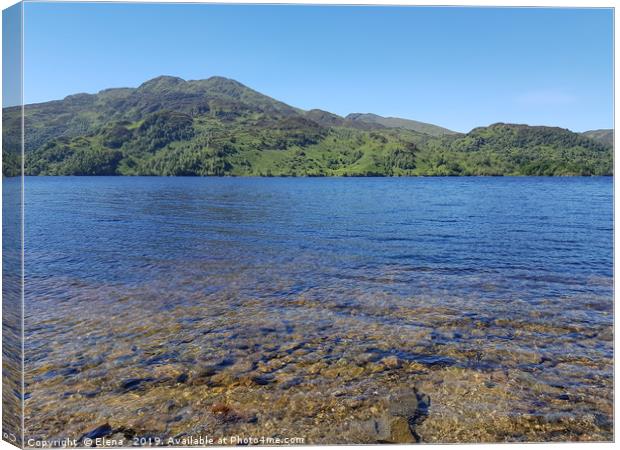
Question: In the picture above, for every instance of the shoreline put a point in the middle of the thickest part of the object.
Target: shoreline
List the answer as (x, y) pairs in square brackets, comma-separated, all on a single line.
[(314, 176)]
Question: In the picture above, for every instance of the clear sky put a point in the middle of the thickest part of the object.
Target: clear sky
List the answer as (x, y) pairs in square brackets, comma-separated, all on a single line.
[(455, 67)]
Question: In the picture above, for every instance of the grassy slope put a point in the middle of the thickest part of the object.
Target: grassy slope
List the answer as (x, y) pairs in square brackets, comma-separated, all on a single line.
[(396, 122), (604, 136)]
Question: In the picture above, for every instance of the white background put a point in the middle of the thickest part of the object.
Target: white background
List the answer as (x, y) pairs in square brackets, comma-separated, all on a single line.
[(565, 3)]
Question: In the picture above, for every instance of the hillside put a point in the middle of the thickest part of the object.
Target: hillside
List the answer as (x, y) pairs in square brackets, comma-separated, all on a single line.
[(218, 126), (395, 122), (604, 136)]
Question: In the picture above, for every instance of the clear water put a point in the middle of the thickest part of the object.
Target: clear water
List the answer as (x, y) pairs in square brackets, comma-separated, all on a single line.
[(526, 237), (322, 258)]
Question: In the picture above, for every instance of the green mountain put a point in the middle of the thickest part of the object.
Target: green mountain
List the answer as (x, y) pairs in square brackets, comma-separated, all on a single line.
[(218, 126), (395, 122), (605, 136)]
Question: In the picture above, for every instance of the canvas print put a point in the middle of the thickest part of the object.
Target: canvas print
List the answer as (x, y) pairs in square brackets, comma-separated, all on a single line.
[(230, 224)]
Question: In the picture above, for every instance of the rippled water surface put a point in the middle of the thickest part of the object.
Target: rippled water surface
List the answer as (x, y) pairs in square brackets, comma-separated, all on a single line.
[(320, 308)]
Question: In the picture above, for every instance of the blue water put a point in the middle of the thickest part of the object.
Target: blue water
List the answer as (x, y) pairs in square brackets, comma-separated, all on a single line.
[(494, 296), (525, 238)]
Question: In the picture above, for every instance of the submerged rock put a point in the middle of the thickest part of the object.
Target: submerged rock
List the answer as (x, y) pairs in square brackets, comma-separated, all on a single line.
[(100, 431), (263, 379), (182, 378), (400, 431), (134, 383), (227, 414), (382, 429), (403, 402), (225, 378), (391, 362), (410, 405)]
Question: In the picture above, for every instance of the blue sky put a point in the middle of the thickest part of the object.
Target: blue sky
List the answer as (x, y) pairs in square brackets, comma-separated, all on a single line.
[(455, 67)]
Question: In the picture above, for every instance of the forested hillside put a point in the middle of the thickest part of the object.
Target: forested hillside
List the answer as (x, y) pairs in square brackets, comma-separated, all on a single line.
[(169, 126)]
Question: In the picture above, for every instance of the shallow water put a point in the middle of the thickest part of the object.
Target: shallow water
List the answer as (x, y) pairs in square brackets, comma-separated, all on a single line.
[(310, 307)]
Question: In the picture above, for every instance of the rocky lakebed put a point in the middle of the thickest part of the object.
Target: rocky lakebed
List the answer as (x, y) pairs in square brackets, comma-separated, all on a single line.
[(363, 368)]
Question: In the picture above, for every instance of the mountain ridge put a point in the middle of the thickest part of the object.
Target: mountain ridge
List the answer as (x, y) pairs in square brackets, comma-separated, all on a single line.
[(399, 122), (603, 135), (219, 126)]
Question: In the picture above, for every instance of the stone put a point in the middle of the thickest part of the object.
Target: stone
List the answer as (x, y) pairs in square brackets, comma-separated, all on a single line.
[(227, 414), (391, 362), (207, 371), (410, 406), (182, 378), (351, 372), (316, 368), (170, 405), (289, 382), (291, 347), (242, 366), (375, 368), (222, 379), (134, 383), (167, 372), (403, 403), (416, 367), (263, 379), (400, 433), (100, 431), (331, 372), (220, 409)]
